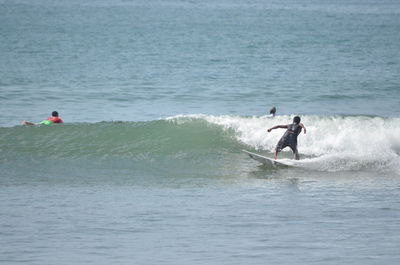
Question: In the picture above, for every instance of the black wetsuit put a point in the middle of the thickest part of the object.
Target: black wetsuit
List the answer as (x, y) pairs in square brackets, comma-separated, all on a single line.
[(290, 138)]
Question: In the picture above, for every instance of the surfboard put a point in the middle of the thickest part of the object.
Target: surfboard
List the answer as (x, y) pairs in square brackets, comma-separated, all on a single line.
[(265, 160)]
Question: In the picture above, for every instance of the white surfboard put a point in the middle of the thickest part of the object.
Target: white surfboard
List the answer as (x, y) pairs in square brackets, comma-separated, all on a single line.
[(265, 160)]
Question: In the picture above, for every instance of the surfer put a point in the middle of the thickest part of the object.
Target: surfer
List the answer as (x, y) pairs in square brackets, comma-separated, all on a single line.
[(290, 137), (272, 111), (52, 119)]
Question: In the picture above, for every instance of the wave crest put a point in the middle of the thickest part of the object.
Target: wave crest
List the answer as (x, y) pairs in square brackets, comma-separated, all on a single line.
[(332, 143)]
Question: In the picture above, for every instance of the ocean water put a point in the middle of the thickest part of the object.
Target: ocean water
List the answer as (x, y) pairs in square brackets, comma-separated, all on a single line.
[(159, 98)]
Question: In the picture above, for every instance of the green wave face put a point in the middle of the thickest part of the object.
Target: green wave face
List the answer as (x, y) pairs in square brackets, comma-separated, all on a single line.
[(194, 145), (117, 139), (150, 153)]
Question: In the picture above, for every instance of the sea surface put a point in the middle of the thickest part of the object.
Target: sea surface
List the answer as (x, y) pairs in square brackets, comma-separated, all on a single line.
[(160, 98)]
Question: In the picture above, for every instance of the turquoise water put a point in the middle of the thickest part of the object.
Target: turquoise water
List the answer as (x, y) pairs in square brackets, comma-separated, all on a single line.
[(142, 60), (159, 99)]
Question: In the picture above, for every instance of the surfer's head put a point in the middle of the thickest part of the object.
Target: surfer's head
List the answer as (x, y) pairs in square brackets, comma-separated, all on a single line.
[(296, 119), (272, 111), (54, 114)]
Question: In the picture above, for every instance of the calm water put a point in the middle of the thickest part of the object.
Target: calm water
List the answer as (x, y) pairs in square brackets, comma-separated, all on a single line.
[(142, 60), (159, 99)]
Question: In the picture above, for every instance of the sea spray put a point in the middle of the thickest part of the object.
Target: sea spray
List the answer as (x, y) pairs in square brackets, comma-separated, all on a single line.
[(332, 143)]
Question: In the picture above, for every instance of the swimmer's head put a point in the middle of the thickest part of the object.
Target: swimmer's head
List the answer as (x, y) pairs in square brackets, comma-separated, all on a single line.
[(296, 119), (54, 114)]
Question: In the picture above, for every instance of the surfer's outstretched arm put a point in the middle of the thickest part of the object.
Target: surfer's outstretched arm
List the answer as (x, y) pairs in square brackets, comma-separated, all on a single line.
[(276, 127), (304, 127)]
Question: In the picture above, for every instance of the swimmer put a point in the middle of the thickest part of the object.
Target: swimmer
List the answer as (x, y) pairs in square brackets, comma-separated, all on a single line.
[(53, 119), (290, 137)]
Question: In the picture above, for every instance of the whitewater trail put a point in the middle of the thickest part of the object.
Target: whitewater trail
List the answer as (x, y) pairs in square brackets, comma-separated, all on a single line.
[(332, 143)]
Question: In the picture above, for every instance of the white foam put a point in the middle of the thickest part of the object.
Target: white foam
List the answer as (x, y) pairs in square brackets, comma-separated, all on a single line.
[(331, 143)]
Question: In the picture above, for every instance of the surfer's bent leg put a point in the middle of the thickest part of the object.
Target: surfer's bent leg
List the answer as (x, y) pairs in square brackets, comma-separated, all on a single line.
[(295, 152), (296, 155)]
